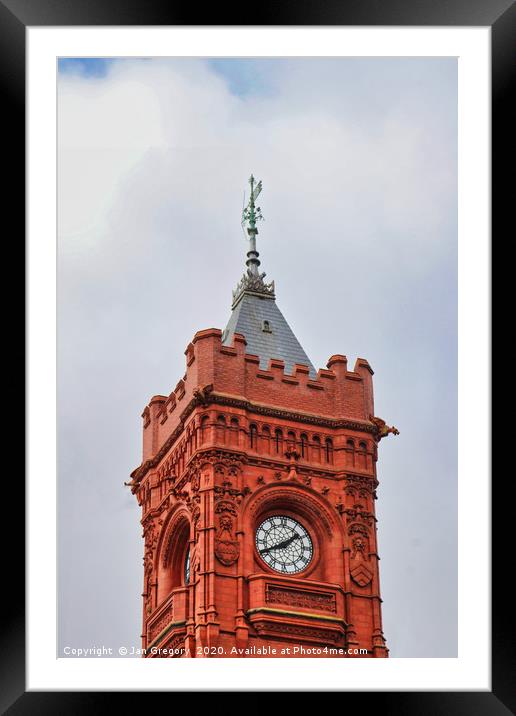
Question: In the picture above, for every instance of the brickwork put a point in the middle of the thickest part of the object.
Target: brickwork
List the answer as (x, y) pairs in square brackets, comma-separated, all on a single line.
[(230, 446)]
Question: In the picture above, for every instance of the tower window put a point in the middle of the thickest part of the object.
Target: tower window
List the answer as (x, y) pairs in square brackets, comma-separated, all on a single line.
[(266, 327), (253, 434), (187, 567)]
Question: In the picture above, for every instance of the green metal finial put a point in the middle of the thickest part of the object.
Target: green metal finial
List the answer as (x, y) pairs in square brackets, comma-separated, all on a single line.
[(252, 281), (250, 215)]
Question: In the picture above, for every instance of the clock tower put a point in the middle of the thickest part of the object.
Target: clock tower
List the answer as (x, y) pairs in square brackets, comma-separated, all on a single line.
[(257, 488)]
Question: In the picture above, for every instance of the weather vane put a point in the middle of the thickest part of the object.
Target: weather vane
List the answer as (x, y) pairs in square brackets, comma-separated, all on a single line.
[(252, 213)]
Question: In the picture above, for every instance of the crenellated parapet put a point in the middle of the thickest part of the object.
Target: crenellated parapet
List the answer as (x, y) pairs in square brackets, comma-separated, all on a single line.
[(230, 372)]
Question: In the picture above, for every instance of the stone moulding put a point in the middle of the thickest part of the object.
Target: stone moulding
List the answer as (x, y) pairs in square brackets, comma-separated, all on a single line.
[(312, 628), (308, 599), (205, 456), (159, 625), (301, 497), (281, 593), (290, 612), (179, 627), (177, 515)]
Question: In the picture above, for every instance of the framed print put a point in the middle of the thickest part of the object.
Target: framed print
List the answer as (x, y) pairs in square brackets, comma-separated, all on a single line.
[(209, 476)]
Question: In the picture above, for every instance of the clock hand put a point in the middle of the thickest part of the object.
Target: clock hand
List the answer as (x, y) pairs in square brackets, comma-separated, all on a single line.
[(288, 541), (281, 545), (276, 546)]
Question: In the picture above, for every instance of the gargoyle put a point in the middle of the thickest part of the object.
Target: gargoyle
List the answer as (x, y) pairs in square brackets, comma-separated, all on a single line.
[(292, 454), (201, 394), (382, 429)]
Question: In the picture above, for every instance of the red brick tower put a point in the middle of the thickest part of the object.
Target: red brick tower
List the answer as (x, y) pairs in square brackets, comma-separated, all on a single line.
[(257, 488)]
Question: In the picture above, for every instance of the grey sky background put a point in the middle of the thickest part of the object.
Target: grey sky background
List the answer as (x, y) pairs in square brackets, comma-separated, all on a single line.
[(358, 161)]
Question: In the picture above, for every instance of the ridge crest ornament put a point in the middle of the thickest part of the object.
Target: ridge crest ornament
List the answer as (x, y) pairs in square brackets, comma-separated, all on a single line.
[(253, 284)]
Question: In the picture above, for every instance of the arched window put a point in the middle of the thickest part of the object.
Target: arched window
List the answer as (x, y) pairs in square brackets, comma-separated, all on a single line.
[(316, 448), (186, 571), (174, 560), (253, 437), (266, 327), (304, 446), (329, 451), (278, 440), (291, 440)]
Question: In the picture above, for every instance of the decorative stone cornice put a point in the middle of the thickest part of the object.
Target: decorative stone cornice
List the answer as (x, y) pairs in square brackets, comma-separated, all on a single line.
[(206, 398), (289, 613), (261, 409)]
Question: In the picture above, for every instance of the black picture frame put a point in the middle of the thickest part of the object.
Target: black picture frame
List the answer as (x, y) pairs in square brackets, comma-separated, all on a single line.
[(15, 17)]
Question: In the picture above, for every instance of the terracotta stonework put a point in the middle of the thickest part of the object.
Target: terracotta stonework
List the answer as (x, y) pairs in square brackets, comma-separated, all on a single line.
[(233, 444)]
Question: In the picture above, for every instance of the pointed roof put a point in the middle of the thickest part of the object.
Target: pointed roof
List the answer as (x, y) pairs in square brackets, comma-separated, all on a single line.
[(266, 331), (255, 313)]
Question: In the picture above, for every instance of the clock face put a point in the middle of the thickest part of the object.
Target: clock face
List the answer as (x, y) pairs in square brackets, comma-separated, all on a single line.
[(284, 544)]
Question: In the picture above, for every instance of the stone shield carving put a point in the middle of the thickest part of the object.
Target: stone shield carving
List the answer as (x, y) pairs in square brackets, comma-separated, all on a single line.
[(361, 574), (227, 551)]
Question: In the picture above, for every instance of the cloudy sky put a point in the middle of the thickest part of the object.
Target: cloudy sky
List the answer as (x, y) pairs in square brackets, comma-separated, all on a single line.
[(358, 163)]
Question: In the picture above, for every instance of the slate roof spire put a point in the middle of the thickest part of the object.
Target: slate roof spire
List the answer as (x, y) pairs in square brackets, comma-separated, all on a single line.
[(255, 313)]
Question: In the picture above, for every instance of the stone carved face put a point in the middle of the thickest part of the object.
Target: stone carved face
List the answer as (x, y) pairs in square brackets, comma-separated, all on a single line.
[(226, 523), (359, 544), (359, 547)]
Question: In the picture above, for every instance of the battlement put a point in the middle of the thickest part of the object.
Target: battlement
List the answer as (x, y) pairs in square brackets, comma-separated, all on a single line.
[(335, 392)]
